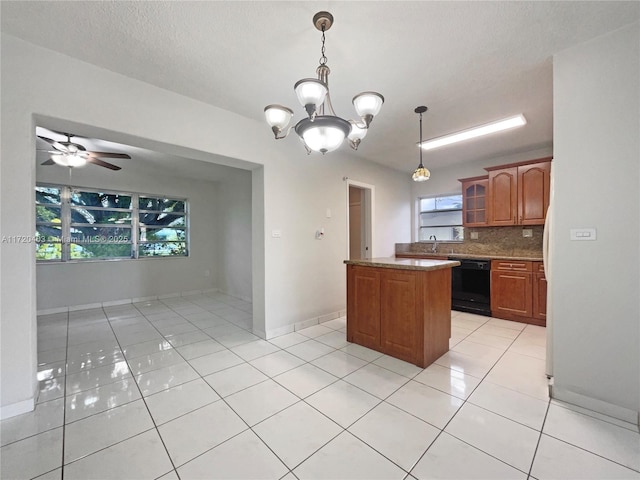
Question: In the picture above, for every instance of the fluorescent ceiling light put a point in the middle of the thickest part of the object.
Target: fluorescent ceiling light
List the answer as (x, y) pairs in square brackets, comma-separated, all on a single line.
[(474, 132)]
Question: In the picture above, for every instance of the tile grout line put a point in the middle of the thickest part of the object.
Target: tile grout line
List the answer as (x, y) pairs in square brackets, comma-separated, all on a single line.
[(464, 401), (145, 404), (533, 459), (64, 401)]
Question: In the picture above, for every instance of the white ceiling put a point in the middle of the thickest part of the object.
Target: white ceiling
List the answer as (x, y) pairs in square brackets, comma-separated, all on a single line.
[(469, 62)]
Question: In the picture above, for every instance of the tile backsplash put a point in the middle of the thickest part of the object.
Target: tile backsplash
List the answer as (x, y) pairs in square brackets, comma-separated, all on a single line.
[(508, 241)]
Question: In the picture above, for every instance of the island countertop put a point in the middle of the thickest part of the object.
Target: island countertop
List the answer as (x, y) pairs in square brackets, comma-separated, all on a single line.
[(404, 263)]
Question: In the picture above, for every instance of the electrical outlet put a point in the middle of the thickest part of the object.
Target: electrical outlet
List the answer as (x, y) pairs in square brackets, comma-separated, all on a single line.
[(473, 235), (527, 232)]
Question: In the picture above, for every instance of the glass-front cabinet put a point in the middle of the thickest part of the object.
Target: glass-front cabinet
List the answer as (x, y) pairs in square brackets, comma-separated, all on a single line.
[(474, 201)]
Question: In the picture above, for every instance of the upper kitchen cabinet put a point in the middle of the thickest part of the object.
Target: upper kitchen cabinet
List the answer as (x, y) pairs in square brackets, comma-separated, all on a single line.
[(518, 193), (474, 201)]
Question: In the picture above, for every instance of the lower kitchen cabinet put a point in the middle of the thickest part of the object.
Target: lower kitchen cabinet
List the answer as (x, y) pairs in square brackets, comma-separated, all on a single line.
[(539, 292), (517, 291)]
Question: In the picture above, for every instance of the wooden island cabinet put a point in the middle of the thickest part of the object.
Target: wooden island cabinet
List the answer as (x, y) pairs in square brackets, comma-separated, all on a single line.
[(401, 307)]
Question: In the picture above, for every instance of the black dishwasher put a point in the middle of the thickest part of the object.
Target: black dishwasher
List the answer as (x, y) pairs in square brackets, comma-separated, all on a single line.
[(471, 286)]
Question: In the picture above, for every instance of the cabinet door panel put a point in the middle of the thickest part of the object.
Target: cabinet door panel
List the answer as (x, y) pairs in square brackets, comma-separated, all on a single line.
[(398, 314), (540, 297), (503, 196), (511, 293), (363, 307), (533, 193), (474, 192)]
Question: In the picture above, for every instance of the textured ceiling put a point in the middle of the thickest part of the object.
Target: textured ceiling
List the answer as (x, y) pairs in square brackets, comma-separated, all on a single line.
[(469, 62)]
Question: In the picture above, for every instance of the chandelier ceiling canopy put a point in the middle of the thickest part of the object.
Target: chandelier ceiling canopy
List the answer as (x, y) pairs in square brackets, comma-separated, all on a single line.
[(322, 130)]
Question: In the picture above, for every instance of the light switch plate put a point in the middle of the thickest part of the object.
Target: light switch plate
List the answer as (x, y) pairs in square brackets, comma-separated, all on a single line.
[(582, 234), (276, 233)]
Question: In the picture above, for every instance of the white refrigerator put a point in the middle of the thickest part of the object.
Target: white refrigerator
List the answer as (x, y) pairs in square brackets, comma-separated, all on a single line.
[(547, 256)]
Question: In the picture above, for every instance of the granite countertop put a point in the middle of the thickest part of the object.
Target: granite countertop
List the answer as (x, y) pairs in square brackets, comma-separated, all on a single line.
[(471, 256), (405, 263)]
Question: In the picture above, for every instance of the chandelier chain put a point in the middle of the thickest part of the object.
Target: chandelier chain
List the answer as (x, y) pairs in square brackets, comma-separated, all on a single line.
[(323, 58)]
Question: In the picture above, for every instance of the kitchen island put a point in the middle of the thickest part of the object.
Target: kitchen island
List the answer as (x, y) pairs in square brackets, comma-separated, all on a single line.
[(401, 307)]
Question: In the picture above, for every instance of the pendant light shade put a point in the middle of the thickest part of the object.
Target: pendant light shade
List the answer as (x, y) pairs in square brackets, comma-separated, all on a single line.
[(421, 174), (322, 130)]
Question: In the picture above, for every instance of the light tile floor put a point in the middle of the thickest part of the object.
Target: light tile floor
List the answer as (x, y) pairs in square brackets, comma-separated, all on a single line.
[(180, 388)]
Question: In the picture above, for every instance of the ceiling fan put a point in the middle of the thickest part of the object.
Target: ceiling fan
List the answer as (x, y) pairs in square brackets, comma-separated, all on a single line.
[(71, 154)]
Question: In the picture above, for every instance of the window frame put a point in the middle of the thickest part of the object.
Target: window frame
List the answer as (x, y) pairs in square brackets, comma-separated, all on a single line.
[(66, 208), (437, 210)]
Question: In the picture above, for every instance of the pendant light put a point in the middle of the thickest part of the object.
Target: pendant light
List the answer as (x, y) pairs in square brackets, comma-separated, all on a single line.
[(421, 174), (322, 130)]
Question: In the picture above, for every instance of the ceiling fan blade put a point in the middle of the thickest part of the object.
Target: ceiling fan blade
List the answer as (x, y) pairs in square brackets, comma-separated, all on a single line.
[(107, 154), (97, 161), (48, 162), (55, 144)]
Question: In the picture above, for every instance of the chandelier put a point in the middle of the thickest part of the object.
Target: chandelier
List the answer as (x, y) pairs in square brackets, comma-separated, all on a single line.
[(322, 130), (421, 174)]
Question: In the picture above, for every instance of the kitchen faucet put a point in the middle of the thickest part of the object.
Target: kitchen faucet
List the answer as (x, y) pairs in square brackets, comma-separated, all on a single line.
[(434, 248)]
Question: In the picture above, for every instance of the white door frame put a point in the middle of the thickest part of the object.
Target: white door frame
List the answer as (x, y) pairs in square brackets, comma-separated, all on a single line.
[(368, 206)]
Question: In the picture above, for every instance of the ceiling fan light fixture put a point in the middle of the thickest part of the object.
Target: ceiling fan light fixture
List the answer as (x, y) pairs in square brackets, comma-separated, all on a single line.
[(323, 131), (479, 131), (69, 160)]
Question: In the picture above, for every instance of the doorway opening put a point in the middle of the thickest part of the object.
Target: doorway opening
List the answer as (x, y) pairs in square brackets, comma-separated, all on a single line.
[(359, 220)]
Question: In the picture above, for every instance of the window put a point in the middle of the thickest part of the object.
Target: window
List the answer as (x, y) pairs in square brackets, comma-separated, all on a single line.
[(442, 217), (75, 224)]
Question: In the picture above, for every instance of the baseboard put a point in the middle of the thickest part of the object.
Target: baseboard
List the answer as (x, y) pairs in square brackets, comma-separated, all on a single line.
[(305, 324), (259, 333), (595, 405), (86, 306), (294, 327), (122, 301), (278, 332), (13, 409)]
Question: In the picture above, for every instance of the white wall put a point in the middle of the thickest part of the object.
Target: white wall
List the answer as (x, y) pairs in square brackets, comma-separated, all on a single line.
[(233, 230), (597, 183), (71, 284), (295, 277)]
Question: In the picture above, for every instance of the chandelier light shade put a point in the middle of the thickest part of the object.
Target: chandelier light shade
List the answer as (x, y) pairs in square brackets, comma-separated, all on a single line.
[(322, 130), (421, 174)]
